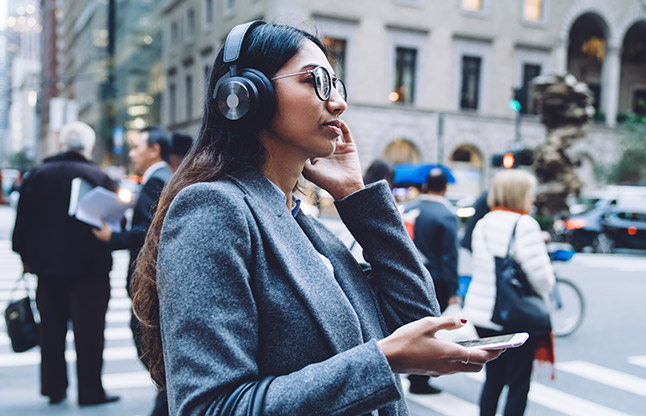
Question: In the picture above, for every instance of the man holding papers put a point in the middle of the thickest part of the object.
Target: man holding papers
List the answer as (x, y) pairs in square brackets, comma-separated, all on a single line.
[(149, 157), (72, 267)]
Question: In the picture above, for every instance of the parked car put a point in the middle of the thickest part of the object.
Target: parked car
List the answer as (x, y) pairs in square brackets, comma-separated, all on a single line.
[(623, 226), (609, 223), (582, 230)]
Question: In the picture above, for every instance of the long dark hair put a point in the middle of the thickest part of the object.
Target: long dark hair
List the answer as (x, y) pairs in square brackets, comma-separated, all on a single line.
[(220, 149)]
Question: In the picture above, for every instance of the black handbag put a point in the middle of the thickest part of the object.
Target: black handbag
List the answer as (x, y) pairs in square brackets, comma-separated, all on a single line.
[(258, 392), (21, 325), (518, 307)]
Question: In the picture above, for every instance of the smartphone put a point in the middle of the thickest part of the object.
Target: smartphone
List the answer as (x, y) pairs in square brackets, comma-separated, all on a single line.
[(496, 343)]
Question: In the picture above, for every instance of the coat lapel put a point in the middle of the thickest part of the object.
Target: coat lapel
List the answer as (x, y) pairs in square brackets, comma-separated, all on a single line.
[(310, 277)]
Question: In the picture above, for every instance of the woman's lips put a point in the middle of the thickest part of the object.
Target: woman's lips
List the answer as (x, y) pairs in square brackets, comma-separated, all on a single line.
[(333, 126)]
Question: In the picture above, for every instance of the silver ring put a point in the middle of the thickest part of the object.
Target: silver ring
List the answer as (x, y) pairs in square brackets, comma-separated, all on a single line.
[(468, 357)]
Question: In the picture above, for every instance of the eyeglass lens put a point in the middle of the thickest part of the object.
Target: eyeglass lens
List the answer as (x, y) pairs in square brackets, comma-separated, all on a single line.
[(323, 84)]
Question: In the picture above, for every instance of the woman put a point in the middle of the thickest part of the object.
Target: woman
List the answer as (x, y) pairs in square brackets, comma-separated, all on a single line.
[(511, 197), (235, 283)]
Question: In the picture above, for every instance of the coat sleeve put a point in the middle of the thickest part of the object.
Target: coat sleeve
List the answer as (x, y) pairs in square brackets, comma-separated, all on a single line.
[(133, 238), (531, 254), (23, 230), (209, 320), (401, 282)]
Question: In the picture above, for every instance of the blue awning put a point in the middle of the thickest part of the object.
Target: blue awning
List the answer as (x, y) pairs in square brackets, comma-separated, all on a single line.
[(416, 173)]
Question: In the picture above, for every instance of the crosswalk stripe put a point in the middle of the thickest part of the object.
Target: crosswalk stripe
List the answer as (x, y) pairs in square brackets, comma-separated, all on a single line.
[(33, 357), (111, 334), (112, 317), (605, 375), (116, 381), (562, 402), (444, 403), (639, 360)]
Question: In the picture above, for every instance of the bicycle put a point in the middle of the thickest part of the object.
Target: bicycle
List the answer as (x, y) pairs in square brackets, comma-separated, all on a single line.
[(566, 302)]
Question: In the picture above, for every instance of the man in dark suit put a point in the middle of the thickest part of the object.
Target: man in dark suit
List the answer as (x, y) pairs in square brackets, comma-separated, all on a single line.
[(149, 157), (71, 265), (435, 236)]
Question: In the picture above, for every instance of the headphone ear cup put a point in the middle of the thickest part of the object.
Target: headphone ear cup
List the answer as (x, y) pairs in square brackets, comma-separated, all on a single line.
[(234, 98), (245, 98), (266, 99)]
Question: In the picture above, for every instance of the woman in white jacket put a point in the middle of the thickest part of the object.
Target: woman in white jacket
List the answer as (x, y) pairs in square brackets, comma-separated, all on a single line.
[(510, 197)]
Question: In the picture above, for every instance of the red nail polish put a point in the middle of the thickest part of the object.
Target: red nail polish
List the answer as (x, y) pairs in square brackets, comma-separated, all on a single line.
[(463, 320)]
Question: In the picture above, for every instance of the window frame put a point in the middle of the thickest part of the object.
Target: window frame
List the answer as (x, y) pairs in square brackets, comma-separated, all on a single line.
[(478, 98)]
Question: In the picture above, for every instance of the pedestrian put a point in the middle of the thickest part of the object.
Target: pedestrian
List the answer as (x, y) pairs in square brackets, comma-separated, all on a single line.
[(435, 236), (510, 197), (378, 170), (180, 145), (71, 265), (241, 285), (149, 157)]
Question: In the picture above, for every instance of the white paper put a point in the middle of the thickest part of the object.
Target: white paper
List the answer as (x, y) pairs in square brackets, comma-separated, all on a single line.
[(100, 204)]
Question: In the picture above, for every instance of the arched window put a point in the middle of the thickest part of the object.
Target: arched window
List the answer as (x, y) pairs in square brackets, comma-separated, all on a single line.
[(402, 151)]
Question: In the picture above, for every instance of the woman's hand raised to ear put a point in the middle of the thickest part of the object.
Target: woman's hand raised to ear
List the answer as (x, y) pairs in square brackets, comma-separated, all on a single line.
[(340, 173), (414, 349)]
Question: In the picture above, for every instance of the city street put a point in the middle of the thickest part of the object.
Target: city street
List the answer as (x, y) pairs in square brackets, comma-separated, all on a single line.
[(601, 368)]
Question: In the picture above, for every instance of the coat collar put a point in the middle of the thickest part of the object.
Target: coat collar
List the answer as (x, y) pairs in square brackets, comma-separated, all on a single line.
[(300, 260)]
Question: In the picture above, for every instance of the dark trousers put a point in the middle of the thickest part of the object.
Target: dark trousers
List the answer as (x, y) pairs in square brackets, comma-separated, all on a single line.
[(514, 369), (84, 302), (442, 293)]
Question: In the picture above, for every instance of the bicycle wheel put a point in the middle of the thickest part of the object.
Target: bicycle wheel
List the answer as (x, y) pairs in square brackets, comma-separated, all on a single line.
[(567, 307)]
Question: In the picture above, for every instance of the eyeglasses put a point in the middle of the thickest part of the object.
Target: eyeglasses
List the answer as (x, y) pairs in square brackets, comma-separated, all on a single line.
[(322, 82)]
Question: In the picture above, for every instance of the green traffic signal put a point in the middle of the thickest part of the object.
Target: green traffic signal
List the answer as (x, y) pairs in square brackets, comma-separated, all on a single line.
[(514, 105)]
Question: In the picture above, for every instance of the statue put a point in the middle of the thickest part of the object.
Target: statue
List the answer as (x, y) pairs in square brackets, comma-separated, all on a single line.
[(565, 106)]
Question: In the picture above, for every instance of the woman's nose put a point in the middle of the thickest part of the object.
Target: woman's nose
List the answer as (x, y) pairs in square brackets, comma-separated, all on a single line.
[(336, 104)]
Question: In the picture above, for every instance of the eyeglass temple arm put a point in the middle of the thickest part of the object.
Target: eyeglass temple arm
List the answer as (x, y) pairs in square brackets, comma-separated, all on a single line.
[(292, 75)]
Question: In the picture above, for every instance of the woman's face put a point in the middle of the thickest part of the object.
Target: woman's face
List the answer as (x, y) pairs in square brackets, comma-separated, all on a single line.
[(303, 125)]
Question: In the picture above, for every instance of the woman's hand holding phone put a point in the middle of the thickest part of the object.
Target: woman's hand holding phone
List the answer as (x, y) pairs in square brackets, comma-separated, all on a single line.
[(414, 349), (339, 173)]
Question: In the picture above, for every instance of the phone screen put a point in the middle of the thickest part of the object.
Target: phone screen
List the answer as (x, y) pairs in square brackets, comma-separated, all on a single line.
[(486, 341)]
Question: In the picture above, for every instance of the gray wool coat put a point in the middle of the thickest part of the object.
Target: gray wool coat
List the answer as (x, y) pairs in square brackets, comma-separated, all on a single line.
[(245, 291)]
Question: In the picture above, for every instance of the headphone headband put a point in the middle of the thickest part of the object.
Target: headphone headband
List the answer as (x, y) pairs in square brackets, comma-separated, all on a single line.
[(233, 43)]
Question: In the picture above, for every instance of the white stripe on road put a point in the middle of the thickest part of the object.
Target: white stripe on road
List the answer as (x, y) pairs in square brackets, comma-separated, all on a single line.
[(562, 402), (5, 296), (116, 381), (112, 317), (639, 360), (33, 357), (605, 376), (111, 334), (444, 403)]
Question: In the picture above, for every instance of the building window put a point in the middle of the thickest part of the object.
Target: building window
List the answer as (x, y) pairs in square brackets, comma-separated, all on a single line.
[(190, 24), (527, 103), (469, 91), (533, 10), (208, 12), (189, 97), (172, 103), (473, 5), (174, 34), (229, 6), (405, 66), (639, 102), (336, 53)]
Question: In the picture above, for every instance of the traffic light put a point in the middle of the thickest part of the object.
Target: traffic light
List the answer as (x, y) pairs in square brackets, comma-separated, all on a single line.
[(513, 159), (520, 97)]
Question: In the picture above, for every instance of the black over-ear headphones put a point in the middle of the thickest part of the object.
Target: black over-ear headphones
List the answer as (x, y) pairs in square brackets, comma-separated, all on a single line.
[(243, 95)]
